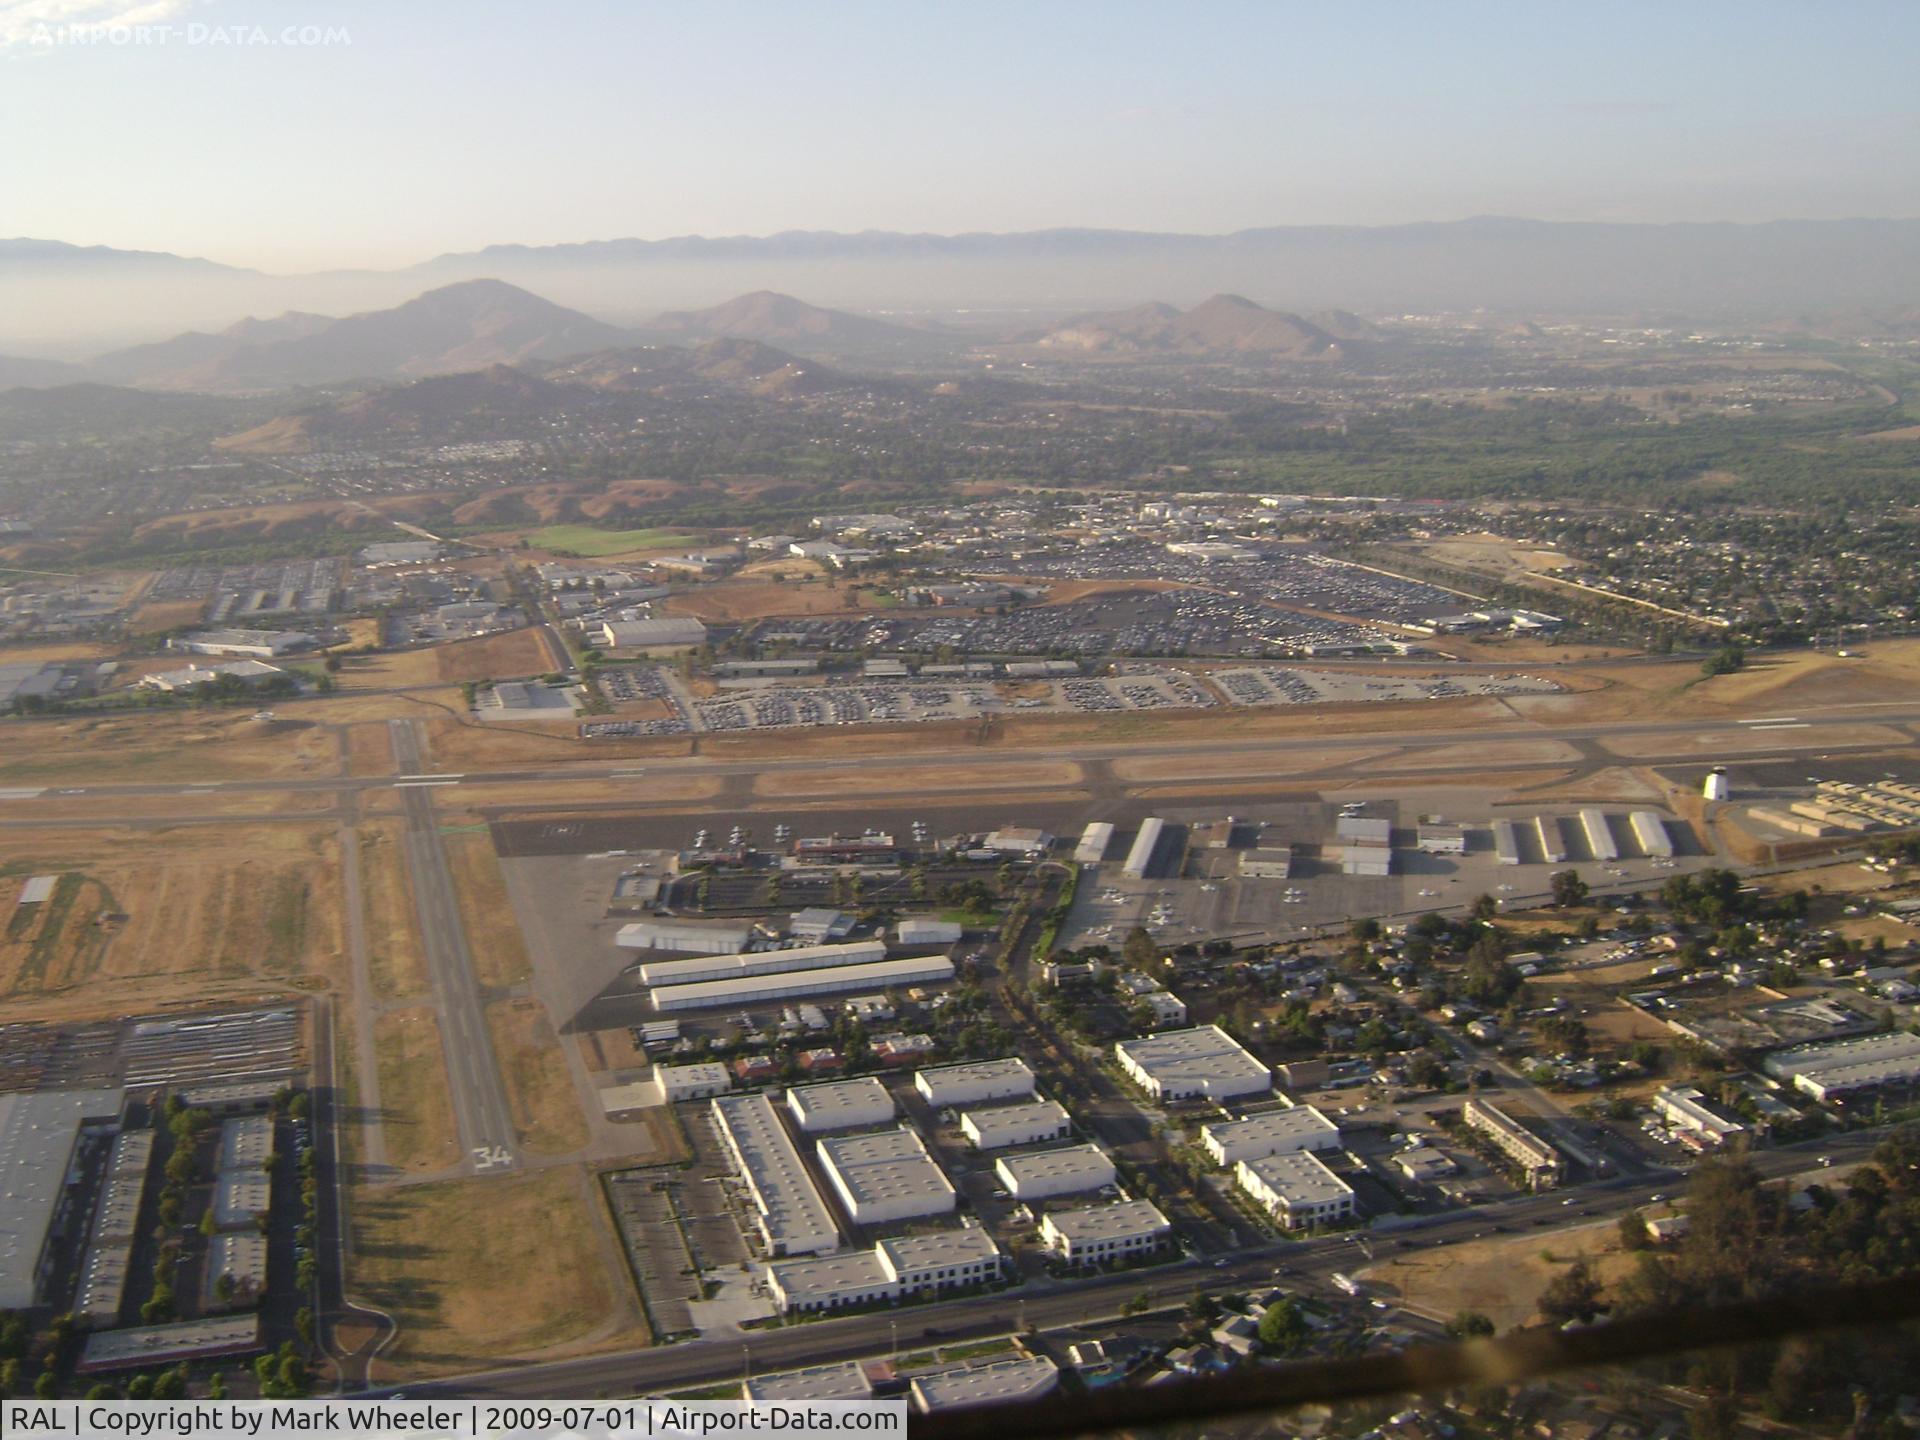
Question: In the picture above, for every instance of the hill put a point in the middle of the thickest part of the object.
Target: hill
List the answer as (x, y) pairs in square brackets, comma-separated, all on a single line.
[(774, 319), (659, 369), (479, 405), (1223, 325)]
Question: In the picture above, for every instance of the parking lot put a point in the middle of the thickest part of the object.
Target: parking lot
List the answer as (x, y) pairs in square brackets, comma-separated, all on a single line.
[(1269, 686)]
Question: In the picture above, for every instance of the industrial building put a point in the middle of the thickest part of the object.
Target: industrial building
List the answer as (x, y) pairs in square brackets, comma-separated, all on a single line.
[(1441, 839), (1553, 845), (923, 930), (674, 1083), (1095, 1234), (1506, 843), (819, 924), (759, 962), (1001, 1382), (241, 1257), (1094, 841), (1843, 1067), (1005, 1125), (688, 939), (1046, 1173), (792, 1215), (1273, 1132), (897, 1268), (1685, 1108), (840, 1105), (676, 631), (214, 1337), (1298, 1190), (886, 1176), (1650, 833), (1267, 862), (39, 1133), (1018, 840), (839, 1380), (249, 644), (116, 1223), (1140, 858), (1537, 1159), (1202, 1063), (1600, 842), (974, 1083), (748, 989)]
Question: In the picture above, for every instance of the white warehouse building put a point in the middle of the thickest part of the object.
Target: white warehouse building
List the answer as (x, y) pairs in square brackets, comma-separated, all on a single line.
[(1277, 1132), (974, 1082), (1046, 1173), (673, 1083), (920, 930), (1094, 841), (885, 1176), (751, 988), (1095, 1234), (689, 939), (840, 1104), (1297, 1190), (1202, 1063), (790, 1211), (1006, 1125), (897, 1268), (1140, 857), (730, 966)]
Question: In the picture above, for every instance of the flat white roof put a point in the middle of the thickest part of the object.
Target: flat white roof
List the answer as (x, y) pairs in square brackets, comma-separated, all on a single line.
[(908, 1254), (815, 1276), (1300, 1178), (1000, 1382), (840, 1102), (938, 1080), (1282, 1126), (1894, 1046), (790, 1203), (885, 1165), (1082, 1162), (37, 1133), (878, 975), (1204, 1055), (842, 1381), (1107, 1222), (759, 962), (990, 1124)]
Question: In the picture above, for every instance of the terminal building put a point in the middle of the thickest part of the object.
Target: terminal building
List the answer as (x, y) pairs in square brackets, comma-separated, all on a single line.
[(1004, 1125), (1274, 1132), (1537, 1159), (885, 1176), (1096, 1234), (974, 1083), (840, 1105), (902, 1267), (1202, 1063), (1042, 1174), (1297, 1189), (790, 1212)]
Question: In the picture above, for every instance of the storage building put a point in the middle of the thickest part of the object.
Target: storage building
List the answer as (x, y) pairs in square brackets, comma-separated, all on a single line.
[(759, 962), (1042, 1174), (885, 1176), (921, 930), (1298, 1190), (1600, 842), (974, 1083), (1273, 1132), (1095, 1234), (748, 989), (791, 1214), (1650, 834), (1094, 841), (690, 939), (840, 1105), (1006, 1125), (1140, 857), (1202, 1063)]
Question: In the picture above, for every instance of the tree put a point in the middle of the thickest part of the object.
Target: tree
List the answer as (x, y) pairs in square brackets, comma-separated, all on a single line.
[(1484, 908), (1724, 661), (1573, 1294), (1138, 948), (1470, 1325), (1569, 890), (216, 1386), (1283, 1329)]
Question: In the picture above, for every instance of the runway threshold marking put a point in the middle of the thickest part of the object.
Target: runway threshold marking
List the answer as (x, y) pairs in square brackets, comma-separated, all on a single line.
[(1783, 725), (438, 775), (22, 794), (421, 784), (1774, 720)]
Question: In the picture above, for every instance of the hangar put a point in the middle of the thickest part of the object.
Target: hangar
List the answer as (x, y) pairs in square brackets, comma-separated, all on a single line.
[(747, 989)]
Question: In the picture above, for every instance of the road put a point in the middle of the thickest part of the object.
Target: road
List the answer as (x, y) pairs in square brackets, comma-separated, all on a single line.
[(1306, 1265), (481, 1112)]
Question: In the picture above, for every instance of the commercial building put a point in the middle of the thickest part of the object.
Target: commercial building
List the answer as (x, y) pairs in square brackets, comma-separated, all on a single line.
[(672, 631), (1845, 1067), (1094, 841), (39, 1133), (143, 1347), (886, 1176), (1005, 1125), (1650, 833), (244, 672), (1018, 840), (688, 939), (920, 930), (1202, 1063), (116, 1225), (1298, 1190), (250, 644), (1685, 1108), (1537, 1159), (819, 924), (1267, 862), (696, 968), (1095, 1234), (1003, 1382), (1600, 842), (897, 1268), (841, 1380), (1042, 1174), (974, 1083), (1366, 844), (1441, 839), (240, 1256), (790, 1211), (1164, 1006), (1273, 1132), (1140, 858), (840, 1105), (674, 1083), (751, 988)]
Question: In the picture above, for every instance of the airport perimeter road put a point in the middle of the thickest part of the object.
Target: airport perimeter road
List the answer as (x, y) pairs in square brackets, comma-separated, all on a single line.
[(480, 1108), (1306, 1265)]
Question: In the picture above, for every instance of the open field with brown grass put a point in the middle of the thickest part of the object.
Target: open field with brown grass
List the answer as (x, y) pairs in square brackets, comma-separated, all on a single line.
[(201, 908), (998, 776), (478, 1272), (642, 790), (734, 601), (546, 1106), (55, 650), (499, 954), (396, 963), (369, 748), (510, 655), (1501, 1279), (166, 615), (165, 746), (416, 1107)]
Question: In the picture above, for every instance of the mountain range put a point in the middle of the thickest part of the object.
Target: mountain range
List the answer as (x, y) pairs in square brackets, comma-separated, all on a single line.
[(1222, 325), (58, 300)]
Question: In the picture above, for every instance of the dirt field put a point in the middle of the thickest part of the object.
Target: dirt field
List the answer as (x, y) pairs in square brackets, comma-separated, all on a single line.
[(416, 1110), (1501, 1279), (369, 749), (394, 959), (454, 1263), (166, 615), (164, 746), (641, 790), (733, 601), (200, 908), (499, 954), (512, 655), (546, 1107)]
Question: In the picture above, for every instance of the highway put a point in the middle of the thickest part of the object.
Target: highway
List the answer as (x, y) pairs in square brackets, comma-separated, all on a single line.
[(1306, 1265), (481, 1111)]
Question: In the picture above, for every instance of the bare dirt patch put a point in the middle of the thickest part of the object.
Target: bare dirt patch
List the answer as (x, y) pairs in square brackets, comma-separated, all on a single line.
[(546, 1106)]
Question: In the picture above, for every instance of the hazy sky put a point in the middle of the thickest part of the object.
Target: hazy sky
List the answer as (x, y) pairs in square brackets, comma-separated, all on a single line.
[(420, 126)]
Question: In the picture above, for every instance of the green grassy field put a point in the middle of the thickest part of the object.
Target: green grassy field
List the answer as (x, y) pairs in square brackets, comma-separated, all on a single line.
[(586, 541)]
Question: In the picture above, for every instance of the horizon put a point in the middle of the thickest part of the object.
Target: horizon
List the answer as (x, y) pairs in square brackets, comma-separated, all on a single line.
[(290, 142)]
